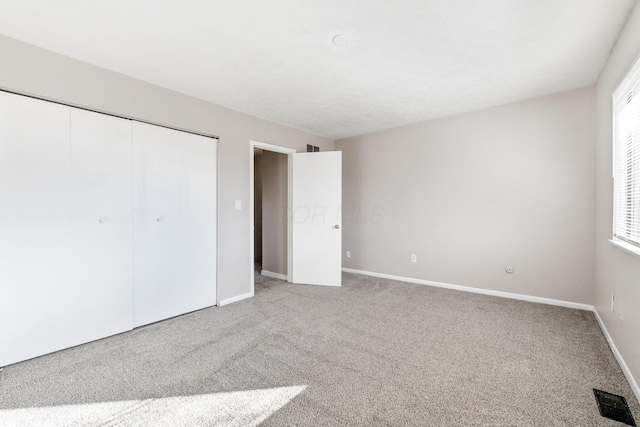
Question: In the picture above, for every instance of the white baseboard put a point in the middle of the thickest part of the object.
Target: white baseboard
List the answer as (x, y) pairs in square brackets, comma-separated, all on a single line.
[(623, 365), (234, 299), (274, 275), (501, 294)]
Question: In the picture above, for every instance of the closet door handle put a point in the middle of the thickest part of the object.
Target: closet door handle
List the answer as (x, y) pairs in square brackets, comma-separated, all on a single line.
[(103, 220), (160, 219), (337, 227)]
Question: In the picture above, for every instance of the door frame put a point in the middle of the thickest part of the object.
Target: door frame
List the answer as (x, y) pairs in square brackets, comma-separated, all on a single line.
[(277, 149)]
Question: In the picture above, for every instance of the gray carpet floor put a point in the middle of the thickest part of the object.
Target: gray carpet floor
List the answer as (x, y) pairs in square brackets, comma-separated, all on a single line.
[(372, 353)]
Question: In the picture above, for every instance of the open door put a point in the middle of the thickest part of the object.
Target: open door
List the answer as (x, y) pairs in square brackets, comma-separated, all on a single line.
[(317, 218)]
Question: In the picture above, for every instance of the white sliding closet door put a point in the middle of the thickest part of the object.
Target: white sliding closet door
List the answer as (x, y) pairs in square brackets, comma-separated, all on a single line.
[(198, 208), (105, 224), (37, 294), (174, 203), (101, 226)]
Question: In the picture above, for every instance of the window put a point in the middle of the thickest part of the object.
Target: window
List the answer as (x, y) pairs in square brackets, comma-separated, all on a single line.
[(626, 158)]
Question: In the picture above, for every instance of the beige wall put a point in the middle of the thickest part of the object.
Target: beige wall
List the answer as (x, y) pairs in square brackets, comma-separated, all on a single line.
[(274, 212), (474, 193), (31, 70), (616, 272)]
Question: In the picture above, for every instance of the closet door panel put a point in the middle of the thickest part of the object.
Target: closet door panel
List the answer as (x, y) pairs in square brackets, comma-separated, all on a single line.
[(101, 226), (34, 228), (198, 225), (156, 208)]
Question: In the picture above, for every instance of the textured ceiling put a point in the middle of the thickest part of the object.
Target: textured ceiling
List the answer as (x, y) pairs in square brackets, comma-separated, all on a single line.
[(409, 60)]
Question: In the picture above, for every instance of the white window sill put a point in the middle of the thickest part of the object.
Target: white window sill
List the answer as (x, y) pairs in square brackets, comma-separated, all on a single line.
[(629, 248)]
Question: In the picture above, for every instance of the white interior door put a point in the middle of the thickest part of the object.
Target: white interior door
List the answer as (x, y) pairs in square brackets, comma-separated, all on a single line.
[(174, 201), (101, 221), (37, 302), (198, 222), (317, 218), (156, 216)]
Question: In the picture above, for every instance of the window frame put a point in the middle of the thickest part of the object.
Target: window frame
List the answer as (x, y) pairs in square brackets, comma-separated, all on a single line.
[(629, 84)]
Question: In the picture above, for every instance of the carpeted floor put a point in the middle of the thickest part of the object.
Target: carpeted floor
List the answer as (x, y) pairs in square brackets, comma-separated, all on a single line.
[(372, 353)]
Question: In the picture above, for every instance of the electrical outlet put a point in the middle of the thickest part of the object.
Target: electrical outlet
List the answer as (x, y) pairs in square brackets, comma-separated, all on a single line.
[(414, 258), (348, 254), (613, 300)]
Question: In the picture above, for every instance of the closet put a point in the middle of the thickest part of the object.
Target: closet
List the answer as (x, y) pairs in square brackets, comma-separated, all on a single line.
[(106, 224)]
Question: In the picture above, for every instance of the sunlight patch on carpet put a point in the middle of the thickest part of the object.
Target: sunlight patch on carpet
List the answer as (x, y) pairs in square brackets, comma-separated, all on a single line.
[(238, 408)]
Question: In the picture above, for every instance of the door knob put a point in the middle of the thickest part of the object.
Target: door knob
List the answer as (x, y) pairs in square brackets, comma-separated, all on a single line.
[(337, 226), (103, 220), (160, 219)]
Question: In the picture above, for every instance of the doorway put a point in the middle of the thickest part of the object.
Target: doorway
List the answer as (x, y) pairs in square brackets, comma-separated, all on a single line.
[(270, 187), (270, 198), (313, 217)]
